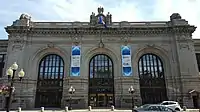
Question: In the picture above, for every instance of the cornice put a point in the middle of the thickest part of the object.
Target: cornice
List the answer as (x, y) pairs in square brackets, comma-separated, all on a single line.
[(124, 31)]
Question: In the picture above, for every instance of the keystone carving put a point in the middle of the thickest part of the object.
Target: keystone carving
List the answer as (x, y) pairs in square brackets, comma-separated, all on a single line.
[(151, 45), (50, 45)]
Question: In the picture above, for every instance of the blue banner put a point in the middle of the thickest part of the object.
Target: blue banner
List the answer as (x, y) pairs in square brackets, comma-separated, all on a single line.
[(126, 60), (75, 60)]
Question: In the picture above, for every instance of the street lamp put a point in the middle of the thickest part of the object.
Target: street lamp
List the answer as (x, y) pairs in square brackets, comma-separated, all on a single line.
[(11, 75), (71, 91), (131, 90)]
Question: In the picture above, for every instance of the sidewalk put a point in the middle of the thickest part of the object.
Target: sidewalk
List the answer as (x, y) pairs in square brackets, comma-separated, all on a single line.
[(93, 110)]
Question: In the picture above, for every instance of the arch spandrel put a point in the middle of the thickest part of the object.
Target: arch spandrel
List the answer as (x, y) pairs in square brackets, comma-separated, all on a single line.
[(87, 55), (39, 54), (162, 53)]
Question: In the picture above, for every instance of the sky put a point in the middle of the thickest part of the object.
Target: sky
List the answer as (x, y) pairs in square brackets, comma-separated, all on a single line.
[(80, 10)]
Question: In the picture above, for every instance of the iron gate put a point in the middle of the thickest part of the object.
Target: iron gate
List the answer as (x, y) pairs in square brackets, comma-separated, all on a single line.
[(152, 79), (50, 82)]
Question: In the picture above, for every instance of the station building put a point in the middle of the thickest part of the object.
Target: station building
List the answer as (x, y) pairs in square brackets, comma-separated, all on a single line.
[(159, 59)]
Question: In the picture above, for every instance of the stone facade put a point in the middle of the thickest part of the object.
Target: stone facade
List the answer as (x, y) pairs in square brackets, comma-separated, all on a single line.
[(28, 42)]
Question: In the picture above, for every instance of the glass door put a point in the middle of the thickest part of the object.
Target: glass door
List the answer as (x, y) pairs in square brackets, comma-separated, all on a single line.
[(101, 100)]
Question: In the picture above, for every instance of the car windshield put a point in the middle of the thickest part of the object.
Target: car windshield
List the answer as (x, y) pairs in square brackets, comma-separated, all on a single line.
[(143, 107)]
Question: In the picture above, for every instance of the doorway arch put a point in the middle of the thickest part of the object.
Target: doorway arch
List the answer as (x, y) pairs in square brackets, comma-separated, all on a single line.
[(101, 81), (50, 82), (152, 79)]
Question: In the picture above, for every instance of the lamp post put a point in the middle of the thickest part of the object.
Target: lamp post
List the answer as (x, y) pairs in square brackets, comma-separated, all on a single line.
[(71, 91), (131, 90), (11, 75)]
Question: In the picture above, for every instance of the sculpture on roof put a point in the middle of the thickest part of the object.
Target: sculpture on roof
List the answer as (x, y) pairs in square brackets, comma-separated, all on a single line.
[(24, 16), (108, 18), (175, 16), (100, 10), (94, 18)]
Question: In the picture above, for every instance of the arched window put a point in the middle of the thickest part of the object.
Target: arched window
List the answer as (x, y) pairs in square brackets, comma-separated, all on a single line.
[(50, 81), (51, 67), (152, 79), (101, 67)]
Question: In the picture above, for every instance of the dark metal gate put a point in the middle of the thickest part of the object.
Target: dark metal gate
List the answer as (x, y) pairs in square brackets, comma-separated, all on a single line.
[(101, 81), (50, 82), (152, 79)]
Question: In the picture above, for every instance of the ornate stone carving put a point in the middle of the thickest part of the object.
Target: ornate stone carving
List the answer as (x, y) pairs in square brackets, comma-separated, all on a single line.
[(93, 19), (184, 46), (24, 16), (24, 20), (175, 16), (125, 39), (101, 44), (100, 10), (50, 45), (17, 47), (76, 37), (17, 42), (108, 18)]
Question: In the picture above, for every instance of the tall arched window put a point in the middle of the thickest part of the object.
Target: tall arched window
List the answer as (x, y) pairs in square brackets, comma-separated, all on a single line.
[(101, 81), (152, 79), (50, 81)]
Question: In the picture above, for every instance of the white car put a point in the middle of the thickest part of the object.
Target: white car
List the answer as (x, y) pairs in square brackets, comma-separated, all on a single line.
[(172, 104)]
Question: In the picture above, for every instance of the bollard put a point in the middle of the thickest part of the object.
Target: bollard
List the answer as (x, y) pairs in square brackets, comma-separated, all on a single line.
[(66, 109), (89, 108), (19, 109), (112, 108), (42, 109), (184, 108)]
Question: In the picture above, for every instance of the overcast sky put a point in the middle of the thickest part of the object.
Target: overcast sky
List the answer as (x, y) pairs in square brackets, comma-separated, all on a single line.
[(80, 10)]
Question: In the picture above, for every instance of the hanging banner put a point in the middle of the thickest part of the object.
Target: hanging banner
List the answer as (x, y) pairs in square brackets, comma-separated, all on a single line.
[(75, 60), (126, 60)]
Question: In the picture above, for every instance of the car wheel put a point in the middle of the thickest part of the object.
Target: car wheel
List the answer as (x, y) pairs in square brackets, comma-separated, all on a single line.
[(177, 109)]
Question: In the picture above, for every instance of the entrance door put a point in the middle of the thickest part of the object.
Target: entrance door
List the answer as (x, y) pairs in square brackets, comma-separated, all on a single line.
[(101, 81), (195, 101)]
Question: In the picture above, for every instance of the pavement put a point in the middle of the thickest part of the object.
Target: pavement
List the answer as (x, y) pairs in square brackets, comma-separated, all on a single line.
[(93, 110)]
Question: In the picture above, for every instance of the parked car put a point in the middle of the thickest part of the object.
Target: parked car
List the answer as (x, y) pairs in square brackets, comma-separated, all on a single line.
[(154, 108), (172, 104)]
